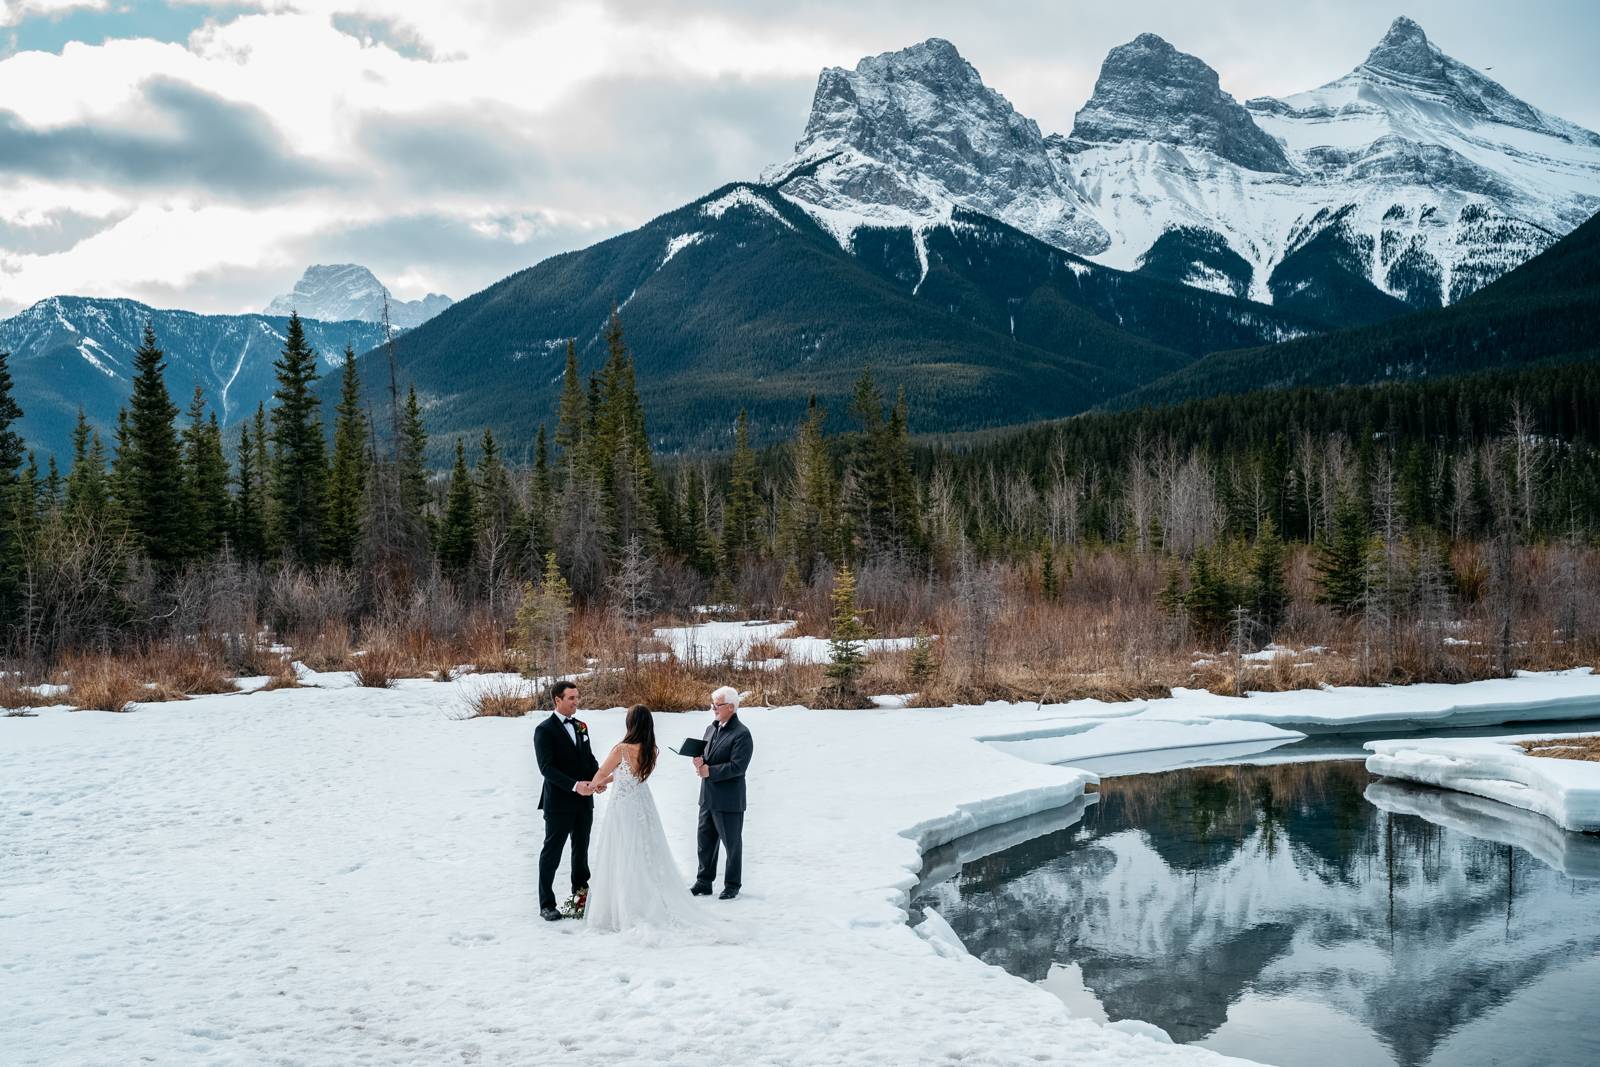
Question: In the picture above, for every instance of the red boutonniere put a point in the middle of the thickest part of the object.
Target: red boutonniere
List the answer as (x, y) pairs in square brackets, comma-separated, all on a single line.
[(583, 727)]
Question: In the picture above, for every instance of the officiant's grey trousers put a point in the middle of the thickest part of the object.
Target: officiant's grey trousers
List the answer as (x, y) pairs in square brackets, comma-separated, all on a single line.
[(728, 828)]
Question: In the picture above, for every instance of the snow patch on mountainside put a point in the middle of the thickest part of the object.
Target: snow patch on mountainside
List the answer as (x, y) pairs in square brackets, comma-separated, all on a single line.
[(679, 243), (742, 197)]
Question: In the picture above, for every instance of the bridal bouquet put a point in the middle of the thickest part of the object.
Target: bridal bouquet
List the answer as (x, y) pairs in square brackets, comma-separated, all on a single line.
[(573, 908)]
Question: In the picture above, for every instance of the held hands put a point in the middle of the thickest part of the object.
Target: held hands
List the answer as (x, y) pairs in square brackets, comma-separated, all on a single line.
[(700, 768), (584, 789)]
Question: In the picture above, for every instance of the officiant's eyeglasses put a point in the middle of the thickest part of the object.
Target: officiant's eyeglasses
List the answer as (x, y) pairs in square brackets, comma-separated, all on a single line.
[(721, 704)]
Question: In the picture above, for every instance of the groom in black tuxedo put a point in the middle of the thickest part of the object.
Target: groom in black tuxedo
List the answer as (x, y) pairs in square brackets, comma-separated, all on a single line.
[(561, 746)]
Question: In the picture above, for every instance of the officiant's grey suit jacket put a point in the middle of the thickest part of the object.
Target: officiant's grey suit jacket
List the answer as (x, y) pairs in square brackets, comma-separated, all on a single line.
[(728, 755)]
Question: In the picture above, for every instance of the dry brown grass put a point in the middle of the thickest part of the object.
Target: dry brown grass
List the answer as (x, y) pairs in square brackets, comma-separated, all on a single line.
[(105, 683), (1578, 748), (280, 675), (378, 667), (17, 699), (501, 699), (328, 649), (187, 669), (763, 650)]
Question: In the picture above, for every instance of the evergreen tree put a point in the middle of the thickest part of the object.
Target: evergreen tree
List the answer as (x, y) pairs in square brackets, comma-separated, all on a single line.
[(262, 469), (1341, 560), (1049, 581), (249, 527), (120, 480), (50, 491), (573, 413), (347, 480), (810, 530), (458, 530), (1270, 591), (153, 472), (11, 502), (1211, 597), (739, 513), (847, 635), (543, 621), (534, 537), (205, 480), (300, 466), (414, 464), (904, 512), (88, 485)]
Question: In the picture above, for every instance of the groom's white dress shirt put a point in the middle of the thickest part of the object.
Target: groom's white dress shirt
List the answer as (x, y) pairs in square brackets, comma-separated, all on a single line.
[(572, 732)]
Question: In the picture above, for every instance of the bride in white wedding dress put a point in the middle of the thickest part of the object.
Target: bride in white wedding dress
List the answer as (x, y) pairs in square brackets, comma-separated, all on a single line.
[(633, 880)]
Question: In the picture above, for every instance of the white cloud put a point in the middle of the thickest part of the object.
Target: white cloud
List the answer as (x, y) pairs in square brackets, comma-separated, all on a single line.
[(13, 12), (445, 145)]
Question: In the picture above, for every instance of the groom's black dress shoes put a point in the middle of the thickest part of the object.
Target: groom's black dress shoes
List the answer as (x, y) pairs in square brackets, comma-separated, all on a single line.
[(549, 915), (700, 890), (726, 894)]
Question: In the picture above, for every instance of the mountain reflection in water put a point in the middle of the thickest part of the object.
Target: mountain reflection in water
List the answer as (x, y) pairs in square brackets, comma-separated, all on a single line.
[(1302, 914)]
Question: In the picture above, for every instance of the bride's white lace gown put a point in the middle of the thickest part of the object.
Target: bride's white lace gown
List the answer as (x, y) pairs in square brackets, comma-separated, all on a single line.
[(633, 879)]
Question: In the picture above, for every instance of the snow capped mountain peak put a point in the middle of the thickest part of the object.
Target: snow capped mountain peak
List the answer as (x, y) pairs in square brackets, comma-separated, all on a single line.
[(337, 292), (1410, 182), (1150, 91), (908, 135)]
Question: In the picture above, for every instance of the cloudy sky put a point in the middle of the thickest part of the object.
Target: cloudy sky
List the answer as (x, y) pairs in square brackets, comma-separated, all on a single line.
[(201, 155)]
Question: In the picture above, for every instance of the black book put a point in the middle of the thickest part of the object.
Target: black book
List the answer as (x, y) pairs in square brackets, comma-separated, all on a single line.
[(692, 746)]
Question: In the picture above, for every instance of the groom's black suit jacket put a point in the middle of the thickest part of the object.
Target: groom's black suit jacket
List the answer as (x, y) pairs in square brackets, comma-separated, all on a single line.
[(563, 765)]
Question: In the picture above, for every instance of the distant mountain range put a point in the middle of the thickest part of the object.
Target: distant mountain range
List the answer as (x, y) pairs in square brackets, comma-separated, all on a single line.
[(1408, 183), (1166, 246), (926, 229), (339, 292), (1545, 311), (743, 299), (69, 352)]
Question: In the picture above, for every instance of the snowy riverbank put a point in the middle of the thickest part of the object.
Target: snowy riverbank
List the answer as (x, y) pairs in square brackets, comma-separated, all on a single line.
[(345, 875), (1567, 792)]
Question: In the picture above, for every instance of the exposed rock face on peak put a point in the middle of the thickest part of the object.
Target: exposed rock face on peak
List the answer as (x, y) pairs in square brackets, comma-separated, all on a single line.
[(907, 135), (1410, 182), (1150, 91), (337, 292)]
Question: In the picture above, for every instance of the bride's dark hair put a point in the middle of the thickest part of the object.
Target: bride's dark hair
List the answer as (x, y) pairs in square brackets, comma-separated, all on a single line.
[(642, 732)]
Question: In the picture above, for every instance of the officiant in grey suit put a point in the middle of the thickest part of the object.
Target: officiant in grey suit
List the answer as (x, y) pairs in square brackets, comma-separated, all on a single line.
[(722, 795)]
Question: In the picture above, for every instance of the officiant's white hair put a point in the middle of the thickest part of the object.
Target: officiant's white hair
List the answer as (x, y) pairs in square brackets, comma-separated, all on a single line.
[(725, 694)]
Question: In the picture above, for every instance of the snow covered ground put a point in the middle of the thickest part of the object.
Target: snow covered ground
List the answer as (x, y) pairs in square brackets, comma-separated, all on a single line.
[(1564, 791), (346, 875), (718, 641)]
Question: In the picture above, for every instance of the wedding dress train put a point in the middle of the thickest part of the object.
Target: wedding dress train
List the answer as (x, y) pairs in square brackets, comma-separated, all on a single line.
[(633, 880)]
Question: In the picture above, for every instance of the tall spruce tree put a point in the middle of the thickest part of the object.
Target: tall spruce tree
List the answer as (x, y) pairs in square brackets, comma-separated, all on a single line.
[(739, 513), (88, 485), (458, 530), (1342, 558), (810, 530), (347, 479), (152, 467), (573, 413), (300, 465), (249, 526), (11, 503), (262, 468), (205, 480), (414, 466)]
